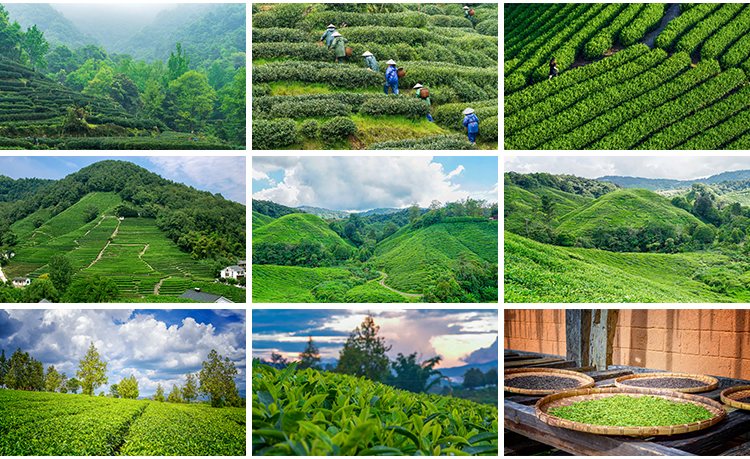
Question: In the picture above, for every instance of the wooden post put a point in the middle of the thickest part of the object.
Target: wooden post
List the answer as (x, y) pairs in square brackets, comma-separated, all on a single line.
[(577, 332), (603, 325)]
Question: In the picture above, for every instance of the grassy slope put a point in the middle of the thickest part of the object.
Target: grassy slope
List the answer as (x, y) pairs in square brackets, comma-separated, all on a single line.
[(260, 219), (290, 284), (539, 273), (293, 228), (412, 257), (521, 204), (631, 208)]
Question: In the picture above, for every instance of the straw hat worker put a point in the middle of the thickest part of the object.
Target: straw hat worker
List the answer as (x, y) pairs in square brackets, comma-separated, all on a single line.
[(471, 123), (372, 63), (391, 77)]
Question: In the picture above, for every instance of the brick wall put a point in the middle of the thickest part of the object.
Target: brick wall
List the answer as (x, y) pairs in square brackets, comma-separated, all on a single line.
[(706, 341)]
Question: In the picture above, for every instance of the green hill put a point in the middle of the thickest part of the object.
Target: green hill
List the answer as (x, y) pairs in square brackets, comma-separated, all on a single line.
[(260, 220), (292, 228), (412, 257), (540, 273), (624, 208), (520, 204)]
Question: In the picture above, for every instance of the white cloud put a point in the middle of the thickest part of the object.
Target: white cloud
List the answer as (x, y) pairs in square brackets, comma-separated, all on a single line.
[(223, 174), (358, 183)]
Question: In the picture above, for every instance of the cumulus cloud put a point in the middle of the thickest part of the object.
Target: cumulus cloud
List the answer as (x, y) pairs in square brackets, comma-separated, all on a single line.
[(357, 183), (483, 355), (136, 343), (224, 173)]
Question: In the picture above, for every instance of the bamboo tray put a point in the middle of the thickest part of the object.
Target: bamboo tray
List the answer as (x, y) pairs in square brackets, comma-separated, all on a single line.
[(711, 383), (729, 397), (584, 380), (574, 396)]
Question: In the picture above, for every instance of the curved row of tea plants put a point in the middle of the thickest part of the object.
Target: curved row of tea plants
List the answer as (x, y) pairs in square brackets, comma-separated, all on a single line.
[(304, 413)]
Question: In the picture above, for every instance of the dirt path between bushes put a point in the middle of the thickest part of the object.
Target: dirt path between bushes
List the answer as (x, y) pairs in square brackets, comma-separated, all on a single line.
[(382, 282), (672, 11)]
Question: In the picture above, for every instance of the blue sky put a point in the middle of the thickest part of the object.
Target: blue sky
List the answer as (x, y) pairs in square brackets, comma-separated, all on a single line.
[(459, 336), (360, 183), (217, 174), (156, 346)]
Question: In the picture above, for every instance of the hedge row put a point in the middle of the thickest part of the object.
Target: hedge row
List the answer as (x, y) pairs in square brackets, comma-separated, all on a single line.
[(337, 128), (419, 37), (301, 51), (702, 120), (737, 53), (533, 94), (355, 100), (310, 108), (320, 21), (438, 142), (270, 134), (280, 34), (451, 115), (678, 26), (648, 20), (449, 54), (627, 135), (488, 129), (4, 74), (741, 143), (555, 127), (638, 104), (317, 72), (605, 38), (530, 23), (139, 143), (449, 21), (515, 121), (723, 39), (717, 136), (441, 74), (409, 107), (705, 28)]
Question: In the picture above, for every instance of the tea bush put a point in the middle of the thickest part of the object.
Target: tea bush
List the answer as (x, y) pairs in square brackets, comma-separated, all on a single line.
[(337, 128), (310, 129), (310, 108), (320, 20), (396, 105), (437, 142), (301, 51), (270, 134), (280, 34)]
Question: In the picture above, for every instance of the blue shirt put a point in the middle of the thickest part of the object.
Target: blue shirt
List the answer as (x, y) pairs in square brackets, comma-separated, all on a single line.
[(472, 122), (390, 75)]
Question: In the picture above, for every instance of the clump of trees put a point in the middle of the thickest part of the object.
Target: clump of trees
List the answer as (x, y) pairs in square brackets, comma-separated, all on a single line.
[(474, 377)]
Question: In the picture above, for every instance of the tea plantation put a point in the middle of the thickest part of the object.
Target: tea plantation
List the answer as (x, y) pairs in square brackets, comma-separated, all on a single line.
[(303, 100), (38, 114), (631, 76)]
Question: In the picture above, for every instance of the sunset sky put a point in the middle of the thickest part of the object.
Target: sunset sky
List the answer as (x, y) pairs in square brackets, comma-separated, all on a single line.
[(156, 346), (459, 336)]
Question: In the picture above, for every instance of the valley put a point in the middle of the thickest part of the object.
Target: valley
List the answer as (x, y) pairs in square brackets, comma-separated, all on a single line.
[(129, 245), (570, 239)]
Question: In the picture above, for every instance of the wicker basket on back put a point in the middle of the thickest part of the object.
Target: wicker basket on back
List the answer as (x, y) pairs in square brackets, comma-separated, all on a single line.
[(348, 51), (401, 72), (471, 12), (424, 93)]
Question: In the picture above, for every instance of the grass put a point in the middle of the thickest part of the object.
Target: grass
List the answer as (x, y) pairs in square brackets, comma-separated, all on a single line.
[(290, 284), (373, 292), (521, 204), (412, 258), (295, 88), (293, 228), (539, 273)]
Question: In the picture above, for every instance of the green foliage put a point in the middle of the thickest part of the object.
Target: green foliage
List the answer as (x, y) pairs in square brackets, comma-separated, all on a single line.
[(432, 9), (677, 27), (451, 116), (301, 51), (128, 388), (374, 418), (61, 272), (278, 34), (290, 284), (175, 396), (294, 228), (372, 292), (337, 128), (395, 105), (437, 142), (217, 379), (364, 353), (318, 72), (93, 289), (268, 135), (194, 97), (310, 108), (40, 289), (159, 395), (320, 20), (310, 129), (92, 371), (413, 376), (190, 390)]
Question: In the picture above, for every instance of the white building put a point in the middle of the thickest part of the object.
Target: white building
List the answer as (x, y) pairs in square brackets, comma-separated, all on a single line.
[(21, 281), (234, 271)]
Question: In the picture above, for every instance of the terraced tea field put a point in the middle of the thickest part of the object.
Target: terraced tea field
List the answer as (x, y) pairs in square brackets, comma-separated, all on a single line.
[(50, 424)]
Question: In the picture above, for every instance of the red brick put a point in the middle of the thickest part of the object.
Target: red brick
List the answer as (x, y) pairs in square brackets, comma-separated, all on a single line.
[(688, 319), (624, 335), (742, 320), (656, 360), (639, 318), (709, 365), (656, 318), (623, 319), (689, 342), (729, 345), (709, 343), (672, 342)]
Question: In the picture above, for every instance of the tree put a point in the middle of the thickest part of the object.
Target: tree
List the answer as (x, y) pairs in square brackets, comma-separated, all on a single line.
[(389, 229), (9, 238), (194, 98), (278, 361), (11, 36), (91, 213), (490, 378), (125, 92), (152, 99), (737, 236), (74, 385), (60, 272), (63, 383), (40, 289), (128, 388), (190, 390), (310, 357), (51, 379), (217, 378), (413, 212), (92, 371), (113, 391), (93, 289), (364, 353), (177, 65), (413, 376), (176, 395), (159, 395), (473, 377), (101, 83), (234, 107), (4, 367)]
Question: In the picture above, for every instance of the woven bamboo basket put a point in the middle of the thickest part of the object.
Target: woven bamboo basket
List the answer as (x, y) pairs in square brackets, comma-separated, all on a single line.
[(711, 383), (585, 380), (579, 395), (401, 72), (731, 395), (347, 51), (424, 93)]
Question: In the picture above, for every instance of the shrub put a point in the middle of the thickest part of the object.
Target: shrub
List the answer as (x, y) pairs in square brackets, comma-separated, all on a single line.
[(321, 19), (488, 129), (432, 10), (488, 28), (287, 14), (437, 142), (264, 19), (310, 108), (451, 21), (410, 107), (451, 116), (301, 51), (310, 129), (441, 74), (279, 34), (337, 128), (261, 90), (355, 100), (317, 72), (268, 134), (468, 92)]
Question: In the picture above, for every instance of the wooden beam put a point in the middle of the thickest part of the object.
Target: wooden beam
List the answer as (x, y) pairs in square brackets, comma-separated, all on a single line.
[(736, 423), (522, 419), (577, 331), (608, 374), (583, 369), (524, 363), (740, 450), (561, 364), (603, 326)]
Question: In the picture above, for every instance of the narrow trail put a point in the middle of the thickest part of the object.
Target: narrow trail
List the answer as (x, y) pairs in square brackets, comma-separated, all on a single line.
[(158, 286), (140, 256), (100, 222), (382, 282), (2, 276), (670, 13), (105, 247)]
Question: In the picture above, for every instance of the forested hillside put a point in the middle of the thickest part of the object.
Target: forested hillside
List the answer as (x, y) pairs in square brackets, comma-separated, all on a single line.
[(58, 30), (189, 77)]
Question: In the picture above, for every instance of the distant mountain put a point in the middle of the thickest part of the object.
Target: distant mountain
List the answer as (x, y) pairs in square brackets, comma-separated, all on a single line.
[(380, 211), (327, 214), (58, 30), (456, 373), (671, 184)]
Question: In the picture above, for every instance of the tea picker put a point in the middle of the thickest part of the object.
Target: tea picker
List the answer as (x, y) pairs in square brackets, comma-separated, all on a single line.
[(391, 77), (471, 123), (372, 63), (469, 14), (424, 94), (327, 35), (339, 47), (552, 69)]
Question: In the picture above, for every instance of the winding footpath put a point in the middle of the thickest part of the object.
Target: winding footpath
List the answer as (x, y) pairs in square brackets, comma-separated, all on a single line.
[(382, 282), (2, 276)]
